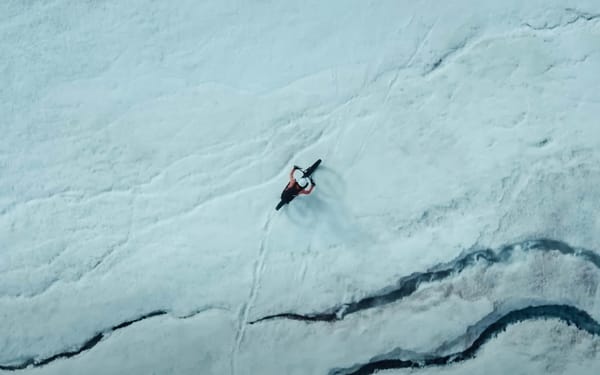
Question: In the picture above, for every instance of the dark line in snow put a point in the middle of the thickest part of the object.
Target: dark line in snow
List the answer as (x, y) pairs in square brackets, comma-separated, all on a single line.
[(143, 317), (568, 314), (449, 53), (407, 285), (543, 142), (89, 344)]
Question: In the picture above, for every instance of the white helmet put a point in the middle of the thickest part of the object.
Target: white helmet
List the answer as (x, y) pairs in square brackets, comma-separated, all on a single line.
[(299, 176), (302, 181)]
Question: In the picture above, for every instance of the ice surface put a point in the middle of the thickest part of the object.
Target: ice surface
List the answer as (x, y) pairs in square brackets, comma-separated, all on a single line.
[(145, 144)]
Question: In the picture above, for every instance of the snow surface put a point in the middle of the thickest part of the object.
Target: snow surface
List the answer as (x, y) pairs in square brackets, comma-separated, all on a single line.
[(145, 144)]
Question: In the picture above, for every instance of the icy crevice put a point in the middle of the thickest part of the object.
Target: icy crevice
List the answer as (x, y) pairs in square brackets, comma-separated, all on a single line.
[(96, 339), (486, 329), (407, 285)]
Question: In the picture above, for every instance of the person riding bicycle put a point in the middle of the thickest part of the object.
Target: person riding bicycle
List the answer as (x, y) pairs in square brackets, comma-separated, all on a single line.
[(298, 185)]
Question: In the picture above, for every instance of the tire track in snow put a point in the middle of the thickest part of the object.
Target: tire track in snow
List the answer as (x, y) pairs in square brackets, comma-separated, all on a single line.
[(407, 285), (483, 331), (259, 266)]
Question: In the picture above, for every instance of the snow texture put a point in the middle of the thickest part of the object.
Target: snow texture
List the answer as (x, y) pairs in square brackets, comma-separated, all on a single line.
[(454, 227)]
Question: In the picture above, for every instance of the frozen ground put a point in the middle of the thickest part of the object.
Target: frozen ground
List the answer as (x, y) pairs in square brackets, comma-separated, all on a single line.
[(454, 225)]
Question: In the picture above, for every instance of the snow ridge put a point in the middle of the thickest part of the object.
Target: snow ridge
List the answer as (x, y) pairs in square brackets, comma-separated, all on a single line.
[(89, 344), (403, 359), (407, 285), (93, 341), (575, 16)]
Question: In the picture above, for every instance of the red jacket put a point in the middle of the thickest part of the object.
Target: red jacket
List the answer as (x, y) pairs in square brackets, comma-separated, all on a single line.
[(293, 188)]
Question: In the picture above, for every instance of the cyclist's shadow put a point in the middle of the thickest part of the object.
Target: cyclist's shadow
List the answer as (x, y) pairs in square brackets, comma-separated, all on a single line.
[(325, 211)]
